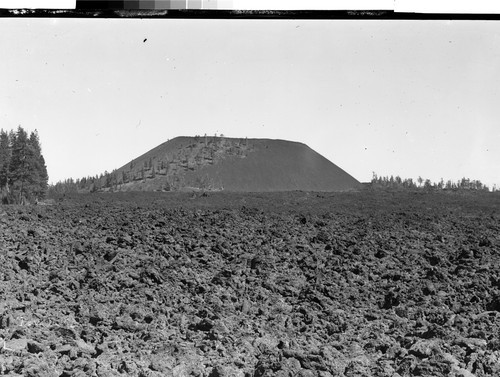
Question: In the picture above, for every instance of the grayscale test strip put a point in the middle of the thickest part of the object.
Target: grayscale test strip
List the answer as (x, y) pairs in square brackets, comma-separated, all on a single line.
[(156, 4)]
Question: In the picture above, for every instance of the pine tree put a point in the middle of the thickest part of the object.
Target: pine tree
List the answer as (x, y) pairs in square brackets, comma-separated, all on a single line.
[(23, 171), (5, 155), (21, 163), (44, 177), (39, 176)]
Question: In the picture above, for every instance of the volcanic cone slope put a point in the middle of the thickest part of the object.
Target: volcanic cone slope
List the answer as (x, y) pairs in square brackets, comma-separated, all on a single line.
[(230, 164)]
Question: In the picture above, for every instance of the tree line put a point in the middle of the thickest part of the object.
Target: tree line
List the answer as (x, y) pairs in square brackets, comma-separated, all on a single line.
[(85, 184), (23, 173), (426, 184), (109, 181)]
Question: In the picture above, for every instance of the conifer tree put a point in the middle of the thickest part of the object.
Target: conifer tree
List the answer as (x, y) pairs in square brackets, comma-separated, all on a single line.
[(21, 161), (5, 154), (39, 176), (23, 174)]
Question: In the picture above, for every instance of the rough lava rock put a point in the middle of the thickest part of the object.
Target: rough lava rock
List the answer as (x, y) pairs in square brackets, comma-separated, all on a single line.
[(279, 284)]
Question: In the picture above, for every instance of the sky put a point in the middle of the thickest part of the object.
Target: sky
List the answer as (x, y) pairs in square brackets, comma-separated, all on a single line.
[(408, 98)]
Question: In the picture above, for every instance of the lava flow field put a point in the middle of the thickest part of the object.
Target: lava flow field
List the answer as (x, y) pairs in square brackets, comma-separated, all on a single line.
[(280, 284)]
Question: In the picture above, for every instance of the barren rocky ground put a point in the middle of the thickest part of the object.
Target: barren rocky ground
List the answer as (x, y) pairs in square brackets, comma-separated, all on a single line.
[(294, 284)]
